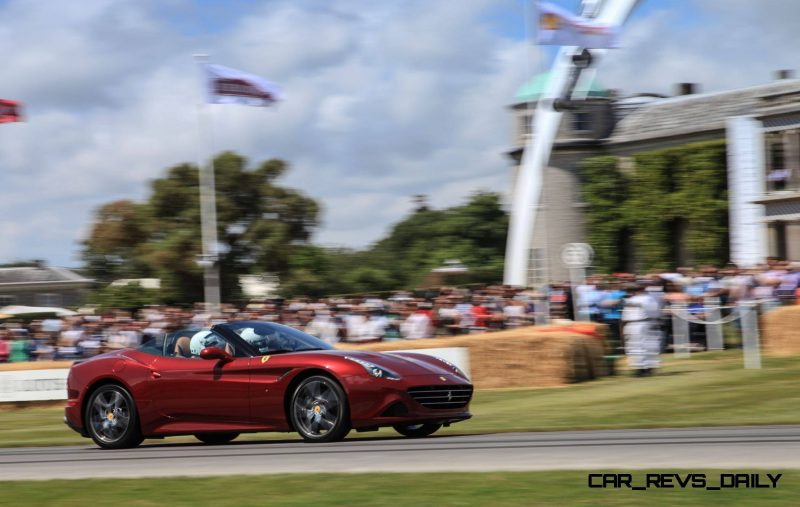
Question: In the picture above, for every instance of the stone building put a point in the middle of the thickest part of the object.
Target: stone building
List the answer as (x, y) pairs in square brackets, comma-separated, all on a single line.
[(42, 286), (761, 127)]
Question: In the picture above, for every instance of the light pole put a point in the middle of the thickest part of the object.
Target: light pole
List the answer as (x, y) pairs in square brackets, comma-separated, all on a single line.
[(209, 259)]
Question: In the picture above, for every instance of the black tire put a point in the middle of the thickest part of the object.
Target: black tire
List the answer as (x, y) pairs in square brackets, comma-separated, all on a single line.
[(215, 438), (417, 430), (111, 418), (319, 410)]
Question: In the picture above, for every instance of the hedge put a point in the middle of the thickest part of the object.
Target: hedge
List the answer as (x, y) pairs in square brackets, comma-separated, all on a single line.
[(645, 197)]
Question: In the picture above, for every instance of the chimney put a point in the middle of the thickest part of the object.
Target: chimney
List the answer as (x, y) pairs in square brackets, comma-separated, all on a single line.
[(686, 88), (784, 74)]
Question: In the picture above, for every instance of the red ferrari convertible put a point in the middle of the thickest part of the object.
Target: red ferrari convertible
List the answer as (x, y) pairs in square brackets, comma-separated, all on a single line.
[(250, 376)]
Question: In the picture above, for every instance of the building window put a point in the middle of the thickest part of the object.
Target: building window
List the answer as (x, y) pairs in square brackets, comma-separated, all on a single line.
[(7, 300), (776, 156), (525, 127), (581, 122), (48, 299), (537, 269), (778, 175)]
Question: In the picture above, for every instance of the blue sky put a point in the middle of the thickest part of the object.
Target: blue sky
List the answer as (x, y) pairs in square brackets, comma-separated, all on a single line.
[(506, 17), (384, 99)]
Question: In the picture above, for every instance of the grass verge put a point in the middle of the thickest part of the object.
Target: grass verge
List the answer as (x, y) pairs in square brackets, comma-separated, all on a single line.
[(373, 490), (709, 389)]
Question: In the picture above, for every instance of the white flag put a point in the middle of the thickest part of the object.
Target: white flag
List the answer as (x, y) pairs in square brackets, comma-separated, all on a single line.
[(231, 86), (559, 27)]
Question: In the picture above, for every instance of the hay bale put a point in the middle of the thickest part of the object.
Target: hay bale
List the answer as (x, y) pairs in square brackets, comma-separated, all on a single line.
[(35, 365), (535, 356), (780, 333)]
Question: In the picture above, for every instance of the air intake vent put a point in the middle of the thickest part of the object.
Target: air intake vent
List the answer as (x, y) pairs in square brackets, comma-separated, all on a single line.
[(442, 397), (397, 409)]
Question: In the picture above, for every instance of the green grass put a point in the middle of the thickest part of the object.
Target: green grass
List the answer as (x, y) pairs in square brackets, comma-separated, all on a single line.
[(710, 389), (396, 490)]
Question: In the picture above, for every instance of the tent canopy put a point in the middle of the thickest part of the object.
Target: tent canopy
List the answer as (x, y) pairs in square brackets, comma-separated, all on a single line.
[(18, 311)]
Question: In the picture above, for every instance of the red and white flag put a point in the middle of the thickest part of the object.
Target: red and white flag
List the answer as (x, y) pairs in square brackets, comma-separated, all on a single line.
[(10, 111), (231, 86), (560, 27)]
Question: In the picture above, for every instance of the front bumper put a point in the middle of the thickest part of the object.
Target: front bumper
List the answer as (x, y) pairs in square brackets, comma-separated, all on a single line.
[(381, 402)]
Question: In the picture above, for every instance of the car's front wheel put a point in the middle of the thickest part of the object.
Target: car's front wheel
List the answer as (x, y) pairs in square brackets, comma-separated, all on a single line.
[(111, 418), (417, 430), (319, 410), (215, 438)]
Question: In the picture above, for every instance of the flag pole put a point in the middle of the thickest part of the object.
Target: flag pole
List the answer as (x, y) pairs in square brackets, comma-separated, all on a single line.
[(209, 259)]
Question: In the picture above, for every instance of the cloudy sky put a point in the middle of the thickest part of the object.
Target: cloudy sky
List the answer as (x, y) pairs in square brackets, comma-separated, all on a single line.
[(384, 99)]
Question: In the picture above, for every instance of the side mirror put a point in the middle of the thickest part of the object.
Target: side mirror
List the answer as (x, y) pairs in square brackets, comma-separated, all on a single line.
[(215, 353)]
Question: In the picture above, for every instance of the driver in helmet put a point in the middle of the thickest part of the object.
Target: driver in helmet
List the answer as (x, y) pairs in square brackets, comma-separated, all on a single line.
[(262, 342), (206, 338)]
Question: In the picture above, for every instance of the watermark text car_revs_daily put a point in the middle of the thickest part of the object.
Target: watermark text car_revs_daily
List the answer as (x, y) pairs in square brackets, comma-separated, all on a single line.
[(711, 482)]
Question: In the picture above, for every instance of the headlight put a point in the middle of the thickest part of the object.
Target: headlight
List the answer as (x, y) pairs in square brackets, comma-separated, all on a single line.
[(375, 370), (453, 367)]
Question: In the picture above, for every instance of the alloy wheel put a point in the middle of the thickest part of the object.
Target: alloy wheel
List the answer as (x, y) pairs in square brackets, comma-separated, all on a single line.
[(319, 410), (111, 418)]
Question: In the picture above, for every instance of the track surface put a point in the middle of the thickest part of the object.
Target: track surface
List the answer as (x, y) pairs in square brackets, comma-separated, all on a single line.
[(743, 448)]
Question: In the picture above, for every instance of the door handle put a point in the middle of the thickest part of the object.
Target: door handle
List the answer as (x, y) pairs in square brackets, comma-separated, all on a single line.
[(155, 374)]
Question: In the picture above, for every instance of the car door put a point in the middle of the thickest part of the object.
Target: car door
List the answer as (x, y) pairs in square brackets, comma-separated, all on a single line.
[(195, 390)]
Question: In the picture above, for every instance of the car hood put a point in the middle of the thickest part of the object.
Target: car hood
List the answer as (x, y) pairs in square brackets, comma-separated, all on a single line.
[(403, 363)]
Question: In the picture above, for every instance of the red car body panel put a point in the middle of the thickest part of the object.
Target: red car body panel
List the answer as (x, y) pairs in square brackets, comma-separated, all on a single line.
[(175, 395)]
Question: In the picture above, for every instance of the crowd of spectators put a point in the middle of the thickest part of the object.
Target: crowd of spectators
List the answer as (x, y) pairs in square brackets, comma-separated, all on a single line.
[(404, 315), (448, 311), (603, 298)]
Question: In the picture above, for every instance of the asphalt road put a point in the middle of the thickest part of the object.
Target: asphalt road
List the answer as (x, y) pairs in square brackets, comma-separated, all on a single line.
[(743, 448)]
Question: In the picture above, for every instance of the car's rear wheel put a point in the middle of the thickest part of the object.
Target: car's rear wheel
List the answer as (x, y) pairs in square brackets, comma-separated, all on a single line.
[(111, 418), (215, 438), (417, 430), (319, 410)]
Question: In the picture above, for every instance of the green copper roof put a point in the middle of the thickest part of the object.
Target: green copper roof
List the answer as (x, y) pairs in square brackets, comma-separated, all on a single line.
[(533, 89)]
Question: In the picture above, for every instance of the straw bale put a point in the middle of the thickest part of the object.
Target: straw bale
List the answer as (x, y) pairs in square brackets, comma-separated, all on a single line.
[(780, 333), (543, 356), (35, 365)]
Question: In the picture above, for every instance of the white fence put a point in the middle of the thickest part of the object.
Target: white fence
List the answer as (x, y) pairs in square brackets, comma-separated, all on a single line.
[(746, 312), (33, 385)]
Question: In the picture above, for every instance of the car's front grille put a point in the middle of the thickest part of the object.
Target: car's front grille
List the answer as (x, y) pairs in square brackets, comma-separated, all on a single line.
[(441, 396)]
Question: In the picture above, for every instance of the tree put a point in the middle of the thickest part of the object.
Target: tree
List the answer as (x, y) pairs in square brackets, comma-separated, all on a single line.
[(259, 224), (111, 251), (125, 297), (474, 233)]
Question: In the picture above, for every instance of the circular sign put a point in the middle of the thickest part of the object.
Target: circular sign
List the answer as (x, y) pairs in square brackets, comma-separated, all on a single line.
[(577, 255)]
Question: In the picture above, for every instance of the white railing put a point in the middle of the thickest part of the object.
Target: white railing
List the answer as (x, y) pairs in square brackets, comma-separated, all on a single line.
[(745, 311)]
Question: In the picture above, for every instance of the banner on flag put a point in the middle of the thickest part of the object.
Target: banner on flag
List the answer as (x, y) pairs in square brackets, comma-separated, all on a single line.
[(10, 111), (559, 27), (231, 86)]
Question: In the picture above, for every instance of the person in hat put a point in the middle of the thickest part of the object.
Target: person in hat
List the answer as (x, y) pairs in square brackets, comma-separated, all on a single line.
[(642, 335)]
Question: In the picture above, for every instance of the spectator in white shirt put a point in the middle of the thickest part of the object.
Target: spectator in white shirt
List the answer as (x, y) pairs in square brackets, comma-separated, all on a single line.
[(416, 326), (375, 327), (354, 325), (323, 327)]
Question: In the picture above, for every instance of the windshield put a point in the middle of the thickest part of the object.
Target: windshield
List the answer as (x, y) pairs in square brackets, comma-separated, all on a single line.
[(271, 338)]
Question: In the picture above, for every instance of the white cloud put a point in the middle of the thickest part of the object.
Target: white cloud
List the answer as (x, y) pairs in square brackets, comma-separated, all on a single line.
[(720, 44), (385, 100)]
